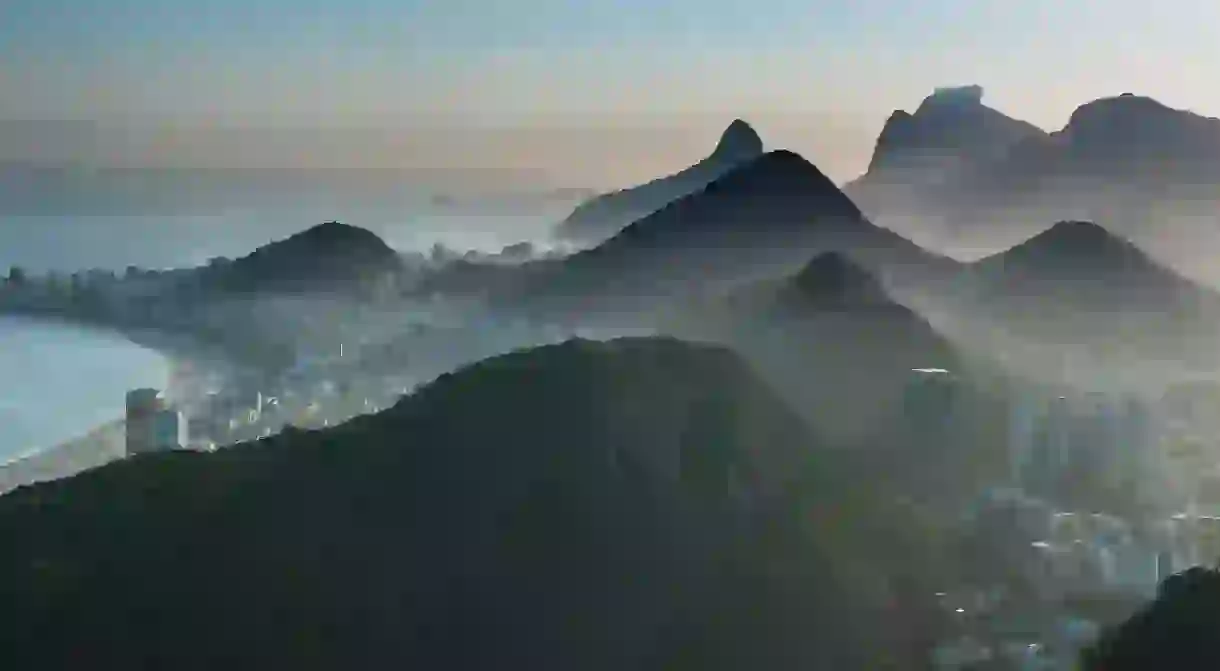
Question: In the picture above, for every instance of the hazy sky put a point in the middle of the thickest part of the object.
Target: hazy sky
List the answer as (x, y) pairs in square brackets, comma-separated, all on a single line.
[(819, 76)]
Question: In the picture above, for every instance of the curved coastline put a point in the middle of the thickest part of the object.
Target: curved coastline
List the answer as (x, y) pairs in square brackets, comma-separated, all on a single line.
[(175, 346), (105, 442), (96, 447), (46, 452)]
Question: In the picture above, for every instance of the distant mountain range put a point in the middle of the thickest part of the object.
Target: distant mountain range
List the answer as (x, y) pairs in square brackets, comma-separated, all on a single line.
[(603, 216), (1086, 292), (832, 320), (950, 132), (832, 292), (761, 219), (260, 310), (751, 235), (672, 514), (958, 174), (643, 503)]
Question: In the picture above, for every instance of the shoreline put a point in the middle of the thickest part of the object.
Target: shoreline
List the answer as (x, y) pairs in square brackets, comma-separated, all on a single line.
[(175, 346), (97, 447), (106, 441), (177, 354), (36, 452)]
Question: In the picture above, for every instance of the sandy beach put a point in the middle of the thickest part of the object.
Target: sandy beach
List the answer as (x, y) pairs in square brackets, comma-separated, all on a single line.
[(190, 368), (100, 446)]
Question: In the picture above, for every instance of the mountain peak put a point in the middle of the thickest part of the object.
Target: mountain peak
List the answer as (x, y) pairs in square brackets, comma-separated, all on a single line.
[(953, 96), (950, 125), (1120, 118), (603, 216), (1144, 138), (1078, 235), (1122, 109), (783, 173), (784, 159), (833, 277), (326, 255), (333, 239), (738, 142), (779, 171), (1082, 243), (334, 231)]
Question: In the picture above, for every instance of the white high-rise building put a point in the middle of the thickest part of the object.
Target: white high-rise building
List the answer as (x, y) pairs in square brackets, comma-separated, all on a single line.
[(142, 408), (169, 431), (151, 425)]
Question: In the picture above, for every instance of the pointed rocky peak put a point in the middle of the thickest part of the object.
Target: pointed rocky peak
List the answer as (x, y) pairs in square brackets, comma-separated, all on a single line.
[(600, 218), (898, 120), (782, 162), (950, 124), (897, 132), (785, 174), (833, 278), (738, 142), (778, 191)]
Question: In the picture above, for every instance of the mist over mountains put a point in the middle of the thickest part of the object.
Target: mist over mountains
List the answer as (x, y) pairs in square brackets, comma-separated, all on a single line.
[(949, 133), (324, 257), (959, 175), (774, 477), (763, 218), (829, 320), (1083, 296), (601, 217), (669, 514)]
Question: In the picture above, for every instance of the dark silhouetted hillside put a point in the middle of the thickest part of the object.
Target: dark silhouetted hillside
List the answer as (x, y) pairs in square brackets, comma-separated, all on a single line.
[(762, 219), (1077, 284), (1141, 130), (326, 257), (1114, 154), (605, 215), (637, 504), (834, 342), (1179, 630), (950, 129), (1082, 263), (950, 134), (833, 282), (1129, 162)]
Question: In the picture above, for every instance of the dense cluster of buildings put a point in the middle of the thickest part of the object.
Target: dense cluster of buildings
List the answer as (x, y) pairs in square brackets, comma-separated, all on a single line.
[(1098, 508), (1100, 497)]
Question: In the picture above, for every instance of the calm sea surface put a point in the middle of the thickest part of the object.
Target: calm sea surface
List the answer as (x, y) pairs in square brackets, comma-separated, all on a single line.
[(58, 382)]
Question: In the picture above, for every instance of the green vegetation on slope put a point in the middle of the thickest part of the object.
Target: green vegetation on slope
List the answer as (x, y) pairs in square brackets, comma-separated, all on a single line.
[(643, 503)]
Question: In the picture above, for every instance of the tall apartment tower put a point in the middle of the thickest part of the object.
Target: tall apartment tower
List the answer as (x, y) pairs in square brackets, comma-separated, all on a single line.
[(143, 405)]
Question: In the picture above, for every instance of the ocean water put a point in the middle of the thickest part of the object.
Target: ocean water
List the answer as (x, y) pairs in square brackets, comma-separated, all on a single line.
[(58, 382), (71, 243)]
